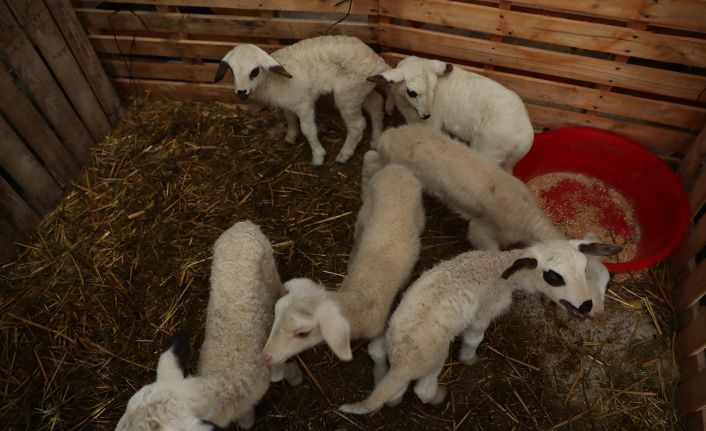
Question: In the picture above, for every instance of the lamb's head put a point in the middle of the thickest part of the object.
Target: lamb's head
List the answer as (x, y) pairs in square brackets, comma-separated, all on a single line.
[(414, 79), (566, 272), (248, 63), (168, 403), (304, 317)]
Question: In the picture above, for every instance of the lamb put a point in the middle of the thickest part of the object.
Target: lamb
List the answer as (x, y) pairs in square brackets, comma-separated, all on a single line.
[(293, 77), (387, 244), (462, 296), (232, 377), (501, 209), (470, 107)]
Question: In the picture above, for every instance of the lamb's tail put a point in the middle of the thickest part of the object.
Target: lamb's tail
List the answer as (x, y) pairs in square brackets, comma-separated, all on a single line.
[(388, 388)]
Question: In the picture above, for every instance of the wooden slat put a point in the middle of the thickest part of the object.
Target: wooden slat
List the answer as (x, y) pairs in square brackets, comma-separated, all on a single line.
[(691, 394), (697, 195), (560, 31), (39, 25), (25, 61), (363, 7), (154, 46), (25, 119), (656, 111), (8, 250), (692, 338), (175, 90), (43, 193), (695, 241), (75, 36), (16, 210), (172, 71), (648, 136), (691, 288), (693, 160), (684, 14), (242, 26), (649, 80)]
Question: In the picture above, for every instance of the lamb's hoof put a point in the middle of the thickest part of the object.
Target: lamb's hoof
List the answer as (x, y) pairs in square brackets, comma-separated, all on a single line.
[(468, 359), (291, 139), (439, 396), (343, 157), (355, 409), (318, 159), (246, 422)]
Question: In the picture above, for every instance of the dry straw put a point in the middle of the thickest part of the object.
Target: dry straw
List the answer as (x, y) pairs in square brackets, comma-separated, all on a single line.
[(124, 261)]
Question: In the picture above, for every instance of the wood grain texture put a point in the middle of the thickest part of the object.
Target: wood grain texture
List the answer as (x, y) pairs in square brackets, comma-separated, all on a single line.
[(598, 71), (39, 25), (683, 14), (243, 26), (363, 7), (41, 189), (155, 46), (691, 394), (692, 287), (14, 209), (28, 122), (688, 169), (692, 338), (85, 55), (615, 39), (695, 240), (46, 93)]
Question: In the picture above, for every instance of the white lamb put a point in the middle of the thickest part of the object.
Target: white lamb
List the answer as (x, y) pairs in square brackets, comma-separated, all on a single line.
[(293, 77), (471, 107), (387, 246), (501, 209), (232, 377), (462, 296)]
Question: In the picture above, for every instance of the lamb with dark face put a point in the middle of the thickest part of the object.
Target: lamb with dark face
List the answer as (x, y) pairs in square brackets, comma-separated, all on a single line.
[(463, 295)]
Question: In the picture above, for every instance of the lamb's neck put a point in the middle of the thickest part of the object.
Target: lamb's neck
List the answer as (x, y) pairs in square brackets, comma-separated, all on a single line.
[(354, 306), (213, 397), (269, 89)]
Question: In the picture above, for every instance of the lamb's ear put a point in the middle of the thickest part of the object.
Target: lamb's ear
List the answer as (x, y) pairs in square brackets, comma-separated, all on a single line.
[(174, 357), (441, 68), (334, 329), (221, 72), (522, 263), (387, 77), (598, 249), (279, 70)]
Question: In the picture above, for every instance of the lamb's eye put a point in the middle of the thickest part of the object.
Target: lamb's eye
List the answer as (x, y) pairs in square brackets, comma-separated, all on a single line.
[(302, 334), (254, 72), (411, 93), (553, 278)]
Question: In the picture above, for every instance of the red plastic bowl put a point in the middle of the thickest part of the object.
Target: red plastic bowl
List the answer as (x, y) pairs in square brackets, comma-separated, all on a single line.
[(658, 197)]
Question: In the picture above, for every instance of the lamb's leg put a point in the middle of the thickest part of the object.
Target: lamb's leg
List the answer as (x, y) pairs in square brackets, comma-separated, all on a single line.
[(390, 386), (355, 125), (247, 419), (307, 121), (292, 127), (292, 374), (377, 352), (428, 389), (481, 235), (472, 338), (373, 106)]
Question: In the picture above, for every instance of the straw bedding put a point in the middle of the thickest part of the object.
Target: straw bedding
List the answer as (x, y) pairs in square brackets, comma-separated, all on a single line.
[(124, 261)]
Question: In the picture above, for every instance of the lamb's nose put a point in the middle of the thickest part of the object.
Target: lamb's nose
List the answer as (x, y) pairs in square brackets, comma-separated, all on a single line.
[(586, 307), (425, 116), (243, 94), (267, 359)]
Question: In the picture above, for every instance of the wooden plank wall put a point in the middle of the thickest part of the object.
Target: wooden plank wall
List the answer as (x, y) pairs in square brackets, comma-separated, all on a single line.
[(56, 102)]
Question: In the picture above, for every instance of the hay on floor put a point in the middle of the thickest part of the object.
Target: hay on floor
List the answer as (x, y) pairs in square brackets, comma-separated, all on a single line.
[(124, 261)]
